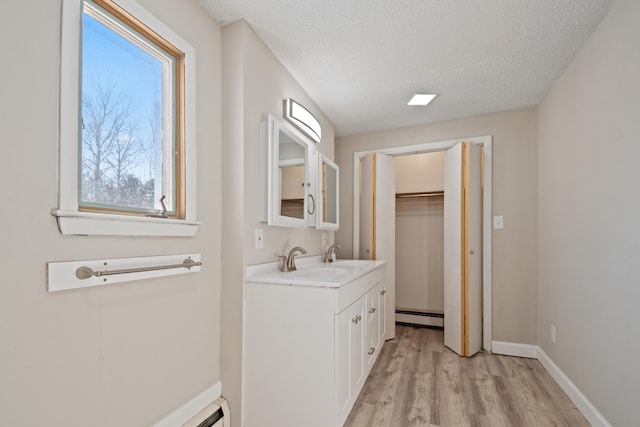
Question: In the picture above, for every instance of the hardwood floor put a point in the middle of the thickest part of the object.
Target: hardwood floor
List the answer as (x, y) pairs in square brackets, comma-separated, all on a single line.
[(417, 381)]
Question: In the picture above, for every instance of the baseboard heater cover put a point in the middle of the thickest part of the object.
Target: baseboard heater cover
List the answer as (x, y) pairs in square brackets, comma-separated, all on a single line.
[(420, 325), (420, 318), (217, 414), (212, 419), (419, 313)]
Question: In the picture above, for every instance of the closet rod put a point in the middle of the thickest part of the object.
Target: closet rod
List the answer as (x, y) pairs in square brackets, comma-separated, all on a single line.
[(419, 194)]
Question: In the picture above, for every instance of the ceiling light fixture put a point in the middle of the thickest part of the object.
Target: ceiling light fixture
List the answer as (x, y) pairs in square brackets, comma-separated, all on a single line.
[(421, 99)]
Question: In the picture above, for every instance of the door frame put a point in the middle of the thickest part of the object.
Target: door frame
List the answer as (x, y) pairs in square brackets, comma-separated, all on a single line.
[(486, 142)]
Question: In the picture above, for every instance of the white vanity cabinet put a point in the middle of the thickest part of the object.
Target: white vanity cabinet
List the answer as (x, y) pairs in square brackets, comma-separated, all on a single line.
[(308, 349), (349, 358), (359, 339), (372, 338)]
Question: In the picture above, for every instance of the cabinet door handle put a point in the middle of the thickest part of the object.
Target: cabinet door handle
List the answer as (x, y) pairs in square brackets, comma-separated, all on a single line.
[(372, 350), (312, 209), (372, 310), (383, 292), (359, 317), (355, 320)]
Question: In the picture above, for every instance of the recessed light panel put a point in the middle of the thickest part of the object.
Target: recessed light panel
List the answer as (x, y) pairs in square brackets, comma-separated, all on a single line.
[(421, 99)]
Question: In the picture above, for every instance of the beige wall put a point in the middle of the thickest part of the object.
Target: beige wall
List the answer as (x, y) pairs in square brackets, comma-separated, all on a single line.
[(514, 196), (121, 355), (255, 85), (420, 172), (420, 253), (420, 232), (589, 234)]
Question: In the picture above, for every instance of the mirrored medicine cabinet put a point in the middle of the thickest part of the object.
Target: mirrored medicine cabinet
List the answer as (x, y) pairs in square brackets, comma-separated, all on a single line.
[(328, 202), (301, 184)]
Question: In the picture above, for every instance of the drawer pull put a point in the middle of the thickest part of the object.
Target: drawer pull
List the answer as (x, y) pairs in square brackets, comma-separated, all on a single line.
[(372, 310), (371, 350)]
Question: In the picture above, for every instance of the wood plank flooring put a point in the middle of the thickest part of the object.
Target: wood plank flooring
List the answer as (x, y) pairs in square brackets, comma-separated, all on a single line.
[(417, 381)]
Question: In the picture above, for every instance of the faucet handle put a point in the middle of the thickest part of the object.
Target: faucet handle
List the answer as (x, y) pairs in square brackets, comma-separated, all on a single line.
[(283, 258)]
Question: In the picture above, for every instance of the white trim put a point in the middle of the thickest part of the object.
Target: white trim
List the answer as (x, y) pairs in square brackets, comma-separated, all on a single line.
[(79, 223), (583, 404), (70, 220), (191, 408), (487, 246), (580, 400), (487, 142), (529, 351)]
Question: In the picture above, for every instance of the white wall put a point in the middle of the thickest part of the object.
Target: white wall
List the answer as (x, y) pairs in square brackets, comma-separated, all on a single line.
[(121, 355), (514, 196), (255, 84), (588, 212)]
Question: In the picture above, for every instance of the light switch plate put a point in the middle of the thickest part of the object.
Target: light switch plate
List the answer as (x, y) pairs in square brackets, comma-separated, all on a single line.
[(498, 222), (324, 239)]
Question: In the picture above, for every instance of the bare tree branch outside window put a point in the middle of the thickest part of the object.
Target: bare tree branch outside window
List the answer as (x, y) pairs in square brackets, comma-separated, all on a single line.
[(115, 151)]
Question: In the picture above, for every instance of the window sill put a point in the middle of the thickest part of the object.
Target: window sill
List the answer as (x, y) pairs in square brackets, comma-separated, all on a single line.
[(77, 223)]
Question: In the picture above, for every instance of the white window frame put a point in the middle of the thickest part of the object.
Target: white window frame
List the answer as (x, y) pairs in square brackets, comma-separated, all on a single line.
[(72, 221)]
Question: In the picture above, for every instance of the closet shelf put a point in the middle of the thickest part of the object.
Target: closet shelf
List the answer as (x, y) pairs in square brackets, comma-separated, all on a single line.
[(419, 194)]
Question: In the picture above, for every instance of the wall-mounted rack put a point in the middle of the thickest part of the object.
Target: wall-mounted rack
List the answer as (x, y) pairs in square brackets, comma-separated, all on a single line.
[(81, 274)]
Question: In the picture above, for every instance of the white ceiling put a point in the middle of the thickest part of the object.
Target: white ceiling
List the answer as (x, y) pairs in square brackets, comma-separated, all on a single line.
[(361, 60)]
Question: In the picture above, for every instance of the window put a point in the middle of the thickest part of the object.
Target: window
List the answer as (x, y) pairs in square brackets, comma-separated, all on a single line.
[(127, 152), (129, 115)]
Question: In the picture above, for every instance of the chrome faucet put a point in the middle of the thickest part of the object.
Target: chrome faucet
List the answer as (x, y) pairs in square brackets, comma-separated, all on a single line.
[(289, 262), (328, 256)]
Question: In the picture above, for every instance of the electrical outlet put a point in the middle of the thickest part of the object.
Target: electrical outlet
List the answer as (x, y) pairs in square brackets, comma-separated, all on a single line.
[(259, 238), (553, 334), (498, 222), (324, 239)]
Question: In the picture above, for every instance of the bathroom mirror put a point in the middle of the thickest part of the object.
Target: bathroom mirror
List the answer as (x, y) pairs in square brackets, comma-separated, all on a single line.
[(328, 200), (288, 197)]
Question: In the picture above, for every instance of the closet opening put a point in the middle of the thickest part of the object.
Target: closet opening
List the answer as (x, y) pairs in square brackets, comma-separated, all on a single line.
[(418, 211), (419, 234)]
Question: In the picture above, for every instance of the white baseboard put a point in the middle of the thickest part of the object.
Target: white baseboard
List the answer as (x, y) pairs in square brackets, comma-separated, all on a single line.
[(192, 407), (580, 400), (529, 351), (535, 352)]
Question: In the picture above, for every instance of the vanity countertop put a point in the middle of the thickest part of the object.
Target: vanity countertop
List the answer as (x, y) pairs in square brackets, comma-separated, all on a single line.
[(311, 271)]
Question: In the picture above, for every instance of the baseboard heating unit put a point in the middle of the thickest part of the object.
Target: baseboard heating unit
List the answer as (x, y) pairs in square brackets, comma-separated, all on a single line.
[(217, 414), (424, 318)]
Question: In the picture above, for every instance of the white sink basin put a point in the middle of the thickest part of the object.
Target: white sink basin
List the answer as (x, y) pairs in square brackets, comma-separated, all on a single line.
[(312, 273)]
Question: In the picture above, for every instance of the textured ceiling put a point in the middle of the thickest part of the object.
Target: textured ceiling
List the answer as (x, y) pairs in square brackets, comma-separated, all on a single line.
[(361, 60)]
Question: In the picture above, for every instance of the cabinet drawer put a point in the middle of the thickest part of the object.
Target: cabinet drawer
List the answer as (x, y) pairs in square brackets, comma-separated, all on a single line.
[(351, 292)]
